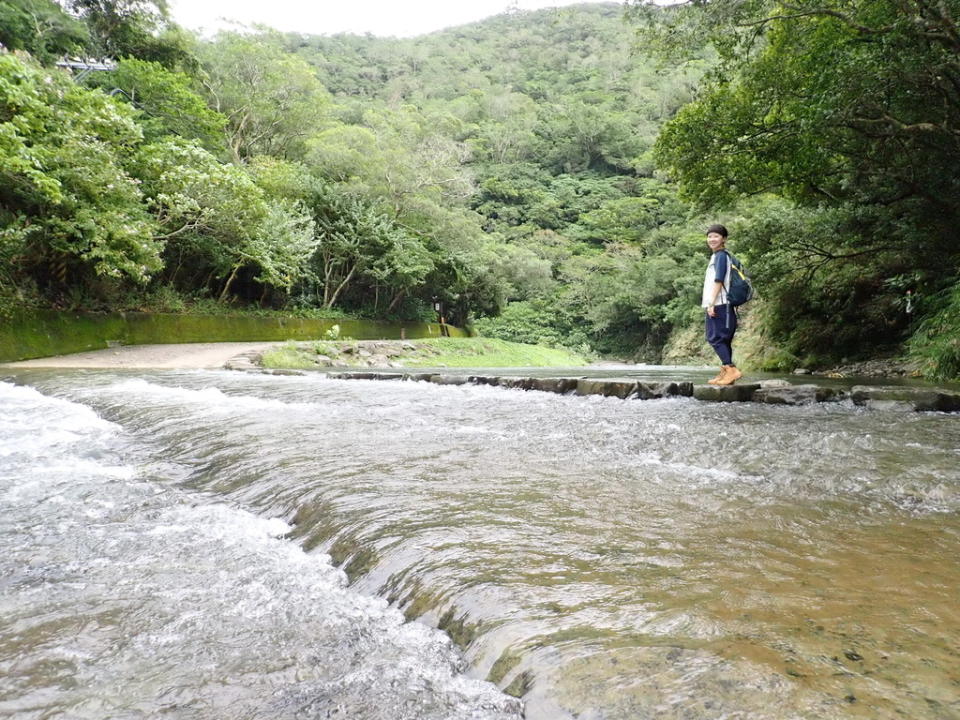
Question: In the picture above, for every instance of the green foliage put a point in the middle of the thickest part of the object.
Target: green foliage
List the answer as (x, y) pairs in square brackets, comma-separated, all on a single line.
[(850, 110), (272, 100), (40, 27), (168, 102), (936, 345), (359, 245), (534, 322), (216, 220), (69, 207), (133, 28)]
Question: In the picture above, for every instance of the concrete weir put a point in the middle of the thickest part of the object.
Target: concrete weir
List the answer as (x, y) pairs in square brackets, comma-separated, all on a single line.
[(771, 392)]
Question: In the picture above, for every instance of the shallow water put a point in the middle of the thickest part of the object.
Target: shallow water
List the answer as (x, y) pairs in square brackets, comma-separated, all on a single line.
[(170, 538)]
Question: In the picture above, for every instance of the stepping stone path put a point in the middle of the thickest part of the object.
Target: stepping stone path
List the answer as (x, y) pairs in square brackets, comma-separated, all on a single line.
[(771, 392)]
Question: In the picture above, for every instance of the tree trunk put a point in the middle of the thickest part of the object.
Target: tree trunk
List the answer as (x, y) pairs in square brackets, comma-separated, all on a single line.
[(396, 301), (340, 287), (233, 275)]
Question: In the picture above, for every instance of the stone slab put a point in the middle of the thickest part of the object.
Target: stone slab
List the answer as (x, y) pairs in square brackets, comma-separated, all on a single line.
[(917, 399), (561, 386), (656, 390), (797, 394), (768, 392), (484, 379), (449, 379), (607, 387), (418, 377), (725, 393), (517, 383)]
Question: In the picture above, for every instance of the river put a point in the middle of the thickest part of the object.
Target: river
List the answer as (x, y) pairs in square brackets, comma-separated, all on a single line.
[(212, 544)]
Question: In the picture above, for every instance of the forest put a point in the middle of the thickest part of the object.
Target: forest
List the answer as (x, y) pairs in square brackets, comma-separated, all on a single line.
[(544, 176)]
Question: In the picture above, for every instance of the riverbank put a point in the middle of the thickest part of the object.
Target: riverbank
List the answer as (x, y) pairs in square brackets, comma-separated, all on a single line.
[(47, 333), (179, 356), (430, 352), (384, 354)]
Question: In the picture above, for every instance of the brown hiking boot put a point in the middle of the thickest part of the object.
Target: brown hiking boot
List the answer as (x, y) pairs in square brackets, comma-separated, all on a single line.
[(730, 376), (719, 377)]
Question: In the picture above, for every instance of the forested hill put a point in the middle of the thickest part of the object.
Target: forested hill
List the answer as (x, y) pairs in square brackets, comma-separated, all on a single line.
[(553, 114), (544, 175), (587, 49)]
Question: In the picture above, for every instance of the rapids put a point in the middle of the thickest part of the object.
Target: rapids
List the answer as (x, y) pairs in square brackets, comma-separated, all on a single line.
[(214, 544)]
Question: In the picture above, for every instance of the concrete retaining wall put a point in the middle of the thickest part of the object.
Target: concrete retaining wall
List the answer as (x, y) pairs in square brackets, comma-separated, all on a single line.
[(42, 333)]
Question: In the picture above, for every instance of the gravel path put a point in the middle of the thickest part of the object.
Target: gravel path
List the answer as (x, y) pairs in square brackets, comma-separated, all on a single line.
[(185, 356)]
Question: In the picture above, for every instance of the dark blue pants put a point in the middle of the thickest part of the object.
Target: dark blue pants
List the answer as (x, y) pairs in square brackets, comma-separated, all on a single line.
[(720, 330)]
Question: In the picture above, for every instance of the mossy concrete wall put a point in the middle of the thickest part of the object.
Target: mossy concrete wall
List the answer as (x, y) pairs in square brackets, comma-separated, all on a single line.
[(41, 333)]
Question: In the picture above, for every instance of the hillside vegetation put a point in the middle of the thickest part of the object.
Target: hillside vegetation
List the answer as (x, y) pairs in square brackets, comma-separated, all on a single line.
[(545, 176)]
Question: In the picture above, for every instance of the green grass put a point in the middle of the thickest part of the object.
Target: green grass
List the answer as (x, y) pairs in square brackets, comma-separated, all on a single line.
[(487, 352), (289, 356), (430, 353)]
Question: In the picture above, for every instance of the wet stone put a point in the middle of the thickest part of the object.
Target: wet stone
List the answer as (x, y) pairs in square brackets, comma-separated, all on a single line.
[(918, 399), (655, 390), (796, 395), (725, 393), (777, 383), (555, 385), (449, 379), (518, 383), (418, 377), (484, 379), (608, 388)]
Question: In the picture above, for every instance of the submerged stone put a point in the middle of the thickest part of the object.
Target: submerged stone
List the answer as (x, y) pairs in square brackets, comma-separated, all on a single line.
[(484, 379), (725, 393), (796, 394), (555, 385), (917, 399), (607, 387), (778, 383), (449, 379), (655, 390), (518, 383), (418, 377)]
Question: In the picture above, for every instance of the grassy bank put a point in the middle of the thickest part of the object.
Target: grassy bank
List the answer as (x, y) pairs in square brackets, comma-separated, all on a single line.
[(432, 352)]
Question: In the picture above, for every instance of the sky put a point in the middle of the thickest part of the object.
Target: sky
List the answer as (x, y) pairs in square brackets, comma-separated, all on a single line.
[(401, 18)]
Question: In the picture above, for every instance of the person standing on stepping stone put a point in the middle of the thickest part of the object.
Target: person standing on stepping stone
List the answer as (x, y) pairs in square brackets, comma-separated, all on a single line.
[(721, 319)]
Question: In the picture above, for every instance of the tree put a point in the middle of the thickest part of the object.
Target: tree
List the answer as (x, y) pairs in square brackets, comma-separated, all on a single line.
[(272, 100), (167, 100), (69, 209), (134, 28), (358, 244), (215, 220), (40, 27), (840, 102)]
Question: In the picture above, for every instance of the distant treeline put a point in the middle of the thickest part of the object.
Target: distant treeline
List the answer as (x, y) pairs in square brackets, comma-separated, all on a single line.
[(546, 175)]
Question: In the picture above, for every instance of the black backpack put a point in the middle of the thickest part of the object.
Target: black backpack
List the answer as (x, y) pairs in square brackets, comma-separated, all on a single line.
[(741, 289)]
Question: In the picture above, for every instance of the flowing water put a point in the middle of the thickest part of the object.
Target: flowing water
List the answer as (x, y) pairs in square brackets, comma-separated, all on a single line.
[(226, 545)]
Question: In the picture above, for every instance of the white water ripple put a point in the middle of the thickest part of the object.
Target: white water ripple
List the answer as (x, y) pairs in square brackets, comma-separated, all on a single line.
[(123, 598)]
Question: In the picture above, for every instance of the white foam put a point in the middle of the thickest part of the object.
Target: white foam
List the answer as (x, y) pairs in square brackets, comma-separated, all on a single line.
[(161, 588)]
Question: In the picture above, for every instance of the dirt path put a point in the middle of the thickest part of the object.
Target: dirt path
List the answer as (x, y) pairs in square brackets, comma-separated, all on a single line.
[(185, 356)]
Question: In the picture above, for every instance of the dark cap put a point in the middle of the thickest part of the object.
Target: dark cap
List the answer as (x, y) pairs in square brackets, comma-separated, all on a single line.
[(719, 229)]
